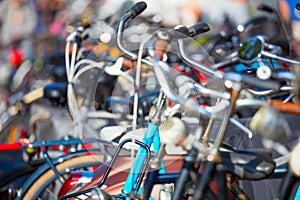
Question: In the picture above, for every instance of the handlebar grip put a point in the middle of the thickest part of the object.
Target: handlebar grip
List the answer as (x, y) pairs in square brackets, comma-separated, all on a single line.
[(266, 84), (137, 9), (225, 63), (180, 32), (251, 81), (199, 28), (160, 48), (288, 107), (33, 95), (265, 7)]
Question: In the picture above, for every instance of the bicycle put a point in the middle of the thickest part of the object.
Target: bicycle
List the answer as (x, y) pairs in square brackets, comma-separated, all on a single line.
[(47, 178), (133, 189), (52, 171), (205, 113)]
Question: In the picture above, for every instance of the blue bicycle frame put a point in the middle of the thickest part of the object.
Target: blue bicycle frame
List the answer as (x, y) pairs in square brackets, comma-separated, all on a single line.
[(151, 137)]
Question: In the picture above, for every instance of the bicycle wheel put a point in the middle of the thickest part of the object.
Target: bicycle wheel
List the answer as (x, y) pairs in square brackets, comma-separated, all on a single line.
[(47, 185), (11, 128)]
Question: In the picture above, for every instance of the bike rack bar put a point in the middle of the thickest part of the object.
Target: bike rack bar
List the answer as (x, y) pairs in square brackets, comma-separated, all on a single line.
[(49, 143), (114, 158)]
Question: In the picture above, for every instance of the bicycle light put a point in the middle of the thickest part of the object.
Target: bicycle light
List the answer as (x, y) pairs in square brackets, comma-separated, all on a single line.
[(251, 49), (268, 123), (294, 162), (172, 130), (296, 81)]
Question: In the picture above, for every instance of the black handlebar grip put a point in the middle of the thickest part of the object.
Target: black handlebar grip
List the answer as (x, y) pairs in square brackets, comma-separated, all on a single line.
[(180, 32), (266, 8), (266, 84), (137, 9), (225, 63), (298, 6), (251, 81), (199, 28)]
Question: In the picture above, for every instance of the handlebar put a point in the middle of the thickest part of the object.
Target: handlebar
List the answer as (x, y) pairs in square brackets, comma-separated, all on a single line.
[(271, 55), (202, 68), (285, 107), (266, 84), (136, 9), (160, 47), (197, 29)]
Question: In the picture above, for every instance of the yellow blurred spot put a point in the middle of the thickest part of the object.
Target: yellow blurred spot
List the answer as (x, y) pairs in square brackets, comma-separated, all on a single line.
[(12, 134), (114, 52)]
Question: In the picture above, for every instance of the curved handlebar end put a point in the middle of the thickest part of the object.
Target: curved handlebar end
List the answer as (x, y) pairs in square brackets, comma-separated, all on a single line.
[(199, 28), (137, 9), (180, 32), (266, 8), (298, 6)]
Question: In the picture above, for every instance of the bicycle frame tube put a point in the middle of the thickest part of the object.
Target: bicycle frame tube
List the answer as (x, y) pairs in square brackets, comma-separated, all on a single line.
[(297, 196), (151, 137)]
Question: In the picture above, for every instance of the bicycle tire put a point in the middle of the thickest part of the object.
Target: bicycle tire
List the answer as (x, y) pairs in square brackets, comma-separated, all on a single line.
[(11, 131), (22, 172), (39, 185)]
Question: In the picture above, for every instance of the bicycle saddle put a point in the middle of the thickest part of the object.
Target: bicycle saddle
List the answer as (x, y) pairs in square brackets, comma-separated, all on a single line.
[(56, 93)]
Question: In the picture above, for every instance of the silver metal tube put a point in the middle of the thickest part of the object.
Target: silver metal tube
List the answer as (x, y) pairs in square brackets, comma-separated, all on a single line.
[(120, 30), (208, 92), (202, 68), (253, 103), (270, 92), (242, 127), (268, 54)]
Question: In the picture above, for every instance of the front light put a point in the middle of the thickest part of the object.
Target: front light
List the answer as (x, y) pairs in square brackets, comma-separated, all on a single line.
[(294, 162)]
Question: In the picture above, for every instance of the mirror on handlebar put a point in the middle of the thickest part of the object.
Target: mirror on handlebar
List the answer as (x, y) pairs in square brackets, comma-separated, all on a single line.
[(254, 47), (250, 50)]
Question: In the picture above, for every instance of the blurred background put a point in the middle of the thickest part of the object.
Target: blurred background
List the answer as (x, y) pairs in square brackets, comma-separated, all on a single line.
[(35, 30)]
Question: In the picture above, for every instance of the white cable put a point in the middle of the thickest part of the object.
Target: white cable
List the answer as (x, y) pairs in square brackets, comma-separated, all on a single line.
[(72, 104), (67, 60), (86, 68), (86, 61), (137, 85), (136, 97), (74, 111), (73, 59)]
